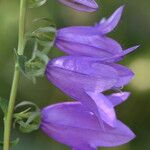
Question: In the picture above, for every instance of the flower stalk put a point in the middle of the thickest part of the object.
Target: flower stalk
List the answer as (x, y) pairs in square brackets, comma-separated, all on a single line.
[(20, 51)]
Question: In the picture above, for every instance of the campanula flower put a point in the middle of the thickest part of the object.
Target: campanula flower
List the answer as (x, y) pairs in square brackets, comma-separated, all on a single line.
[(81, 5), (83, 78), (88, 73), (70, 124), (92, 41)]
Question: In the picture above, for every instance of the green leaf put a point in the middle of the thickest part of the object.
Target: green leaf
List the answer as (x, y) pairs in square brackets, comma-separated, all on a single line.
[(36, 3), (12, 143), (4, 105)]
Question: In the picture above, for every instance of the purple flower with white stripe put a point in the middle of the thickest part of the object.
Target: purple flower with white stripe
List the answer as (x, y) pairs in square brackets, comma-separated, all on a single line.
[(92, 41), (70, 124), (83, 78), (81, 5)]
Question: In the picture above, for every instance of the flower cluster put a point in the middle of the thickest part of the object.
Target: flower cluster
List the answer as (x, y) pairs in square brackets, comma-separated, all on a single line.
[(90, 68)]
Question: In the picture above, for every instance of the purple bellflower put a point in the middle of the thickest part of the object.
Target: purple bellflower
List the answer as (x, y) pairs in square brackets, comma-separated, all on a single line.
[(70, 124), (92, 41), (81, 5), (83, 78)]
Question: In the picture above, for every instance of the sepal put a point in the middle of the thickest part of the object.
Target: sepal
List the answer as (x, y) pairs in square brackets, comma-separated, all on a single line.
[(27, 117)]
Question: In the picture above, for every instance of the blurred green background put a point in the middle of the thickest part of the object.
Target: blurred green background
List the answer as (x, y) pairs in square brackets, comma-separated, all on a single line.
[(133, 29)]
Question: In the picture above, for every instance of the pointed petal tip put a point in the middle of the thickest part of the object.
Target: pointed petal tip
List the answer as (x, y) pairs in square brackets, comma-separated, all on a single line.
[(105, 110), (121, 8), (131, 135), (131, 49), (118, 98), (85, 6), (125, 95), (106, 26)]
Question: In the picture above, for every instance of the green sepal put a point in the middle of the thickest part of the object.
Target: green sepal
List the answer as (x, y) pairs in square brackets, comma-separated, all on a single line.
[(27, 103), (27, 117), (34, 67), (36, 3), (44, 35)]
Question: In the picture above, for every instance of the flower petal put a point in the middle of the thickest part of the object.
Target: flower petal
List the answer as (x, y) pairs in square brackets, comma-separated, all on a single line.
[(122, 54), (109, 24), (71, 124), (118, 98), (81, 5), (79, 44), (78, 73), (84, 147), (124, 73), (131, 49), (104, 108)]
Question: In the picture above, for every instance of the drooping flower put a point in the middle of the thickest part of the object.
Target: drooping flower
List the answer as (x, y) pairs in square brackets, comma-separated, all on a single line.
[(83, 78), (70, 124), (92, 41), (87, 73), (81, 5)]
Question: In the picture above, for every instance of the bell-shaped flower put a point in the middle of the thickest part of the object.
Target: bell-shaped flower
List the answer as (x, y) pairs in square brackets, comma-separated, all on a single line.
[(87, 73), (92, 41), (69, 123), (83, 78), (81, 5)]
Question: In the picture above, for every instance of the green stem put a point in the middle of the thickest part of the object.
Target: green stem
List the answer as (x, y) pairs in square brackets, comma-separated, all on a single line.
[(21, 43)]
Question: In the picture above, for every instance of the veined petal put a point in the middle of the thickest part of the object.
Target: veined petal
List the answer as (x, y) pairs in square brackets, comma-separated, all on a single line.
[(81, 5), (124, 73), (78, 73), (76, 30), (87, 45), (104, 107), (118, 98), (71, 124), (76, 76), (107, 25)]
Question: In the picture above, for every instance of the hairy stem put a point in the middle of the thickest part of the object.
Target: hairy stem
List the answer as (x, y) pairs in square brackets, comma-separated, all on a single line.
[(21, 42)]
